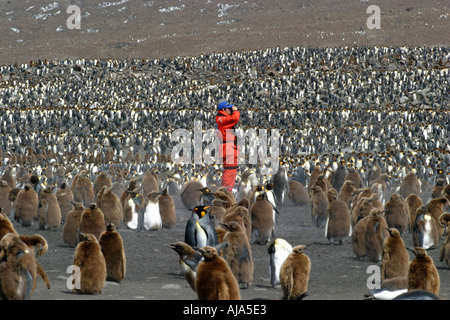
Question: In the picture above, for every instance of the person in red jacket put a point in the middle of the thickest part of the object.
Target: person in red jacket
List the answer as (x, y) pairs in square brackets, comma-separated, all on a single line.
[(227, 117)]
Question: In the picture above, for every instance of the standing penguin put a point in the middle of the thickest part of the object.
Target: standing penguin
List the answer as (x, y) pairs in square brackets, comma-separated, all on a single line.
[(189, 260), (397, 213), (281, 185), (298, 193), (278, 250), (111, 244), (395, 258), (149, 216), (190, 193), (109, 203), (444, 253), (89, 258), (167, 209), (214, 280), (319, 205), (425, 231), (410, 185), (200, 231), (26, 206), (134, 205), (294, 274), (375, 233), (18, 269), (261, 213), (338, 225), (422, 273), (82, 188), (92, 221), (207, 197), (238, 253), (64, 196), (5, 203), (72, 224)]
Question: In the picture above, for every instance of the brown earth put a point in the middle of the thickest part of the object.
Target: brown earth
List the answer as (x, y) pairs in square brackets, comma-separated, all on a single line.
[(149, 29)]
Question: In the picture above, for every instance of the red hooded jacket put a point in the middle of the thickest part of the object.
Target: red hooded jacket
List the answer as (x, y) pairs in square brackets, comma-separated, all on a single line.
[(225, 122)]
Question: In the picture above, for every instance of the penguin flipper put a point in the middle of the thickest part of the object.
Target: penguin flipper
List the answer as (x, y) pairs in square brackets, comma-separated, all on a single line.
[(41, 272), (141, 214), (189, 234)]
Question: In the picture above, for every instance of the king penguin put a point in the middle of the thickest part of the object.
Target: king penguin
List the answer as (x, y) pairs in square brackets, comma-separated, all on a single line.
[(149, 215), (200, 231), (395, 258), (215, 281), (294, 274), (111, 244), (278, 250), (238, 253), (422, 273)]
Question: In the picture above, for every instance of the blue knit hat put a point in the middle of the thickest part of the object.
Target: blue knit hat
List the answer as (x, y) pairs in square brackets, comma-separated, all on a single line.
[(223, 104)]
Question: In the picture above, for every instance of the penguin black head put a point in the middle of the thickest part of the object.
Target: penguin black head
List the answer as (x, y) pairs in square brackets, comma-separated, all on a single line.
[(269, 186), (110, 227), (93, 206), (419, 252), (87, 237), (201, 211)]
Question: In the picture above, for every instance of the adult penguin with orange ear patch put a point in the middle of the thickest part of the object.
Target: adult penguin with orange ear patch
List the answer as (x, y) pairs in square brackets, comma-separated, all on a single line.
[(200, 231), (89, 258), (215, 281), (294, 274)]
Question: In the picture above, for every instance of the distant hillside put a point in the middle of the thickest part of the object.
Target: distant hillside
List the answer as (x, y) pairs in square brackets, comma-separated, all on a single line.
[(145, 29)]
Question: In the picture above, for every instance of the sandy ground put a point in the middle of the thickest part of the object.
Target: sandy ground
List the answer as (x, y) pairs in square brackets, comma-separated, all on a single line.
[(153, 272)]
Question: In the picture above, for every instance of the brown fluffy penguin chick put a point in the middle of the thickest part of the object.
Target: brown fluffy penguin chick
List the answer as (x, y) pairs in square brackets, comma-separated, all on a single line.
[(109, 203), (167, 209), (64, 197), (294, 274), (319, 205), (261, 213), (397, 213), (6, 225), (215, 280), (410, 185), (82, 188), (101, 181), (72, 224), (298, 193), (49, 212), (358, 238), (395, 258), (89, 258), (346, 191), (413, 202), (92, 221), (17, 269), (422, 273), (438, 189), (5, 203), (338, 224), (189, 260), (190, 193), (376, 232), (238, 253), (111, 244), (26, 206), (436, 209), (444, 254), (40, 243)]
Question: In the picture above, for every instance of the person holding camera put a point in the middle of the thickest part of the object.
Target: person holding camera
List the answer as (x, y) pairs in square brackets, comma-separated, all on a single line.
[(227, 117)]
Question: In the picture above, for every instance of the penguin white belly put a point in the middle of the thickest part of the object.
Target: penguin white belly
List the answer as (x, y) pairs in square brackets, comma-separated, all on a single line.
[(152, 217), (278, 258), (133, 223), (388, 295), (427, 239), (201, 236)]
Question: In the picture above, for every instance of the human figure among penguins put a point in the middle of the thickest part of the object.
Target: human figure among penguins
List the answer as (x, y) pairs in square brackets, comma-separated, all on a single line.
[(227, 117)]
